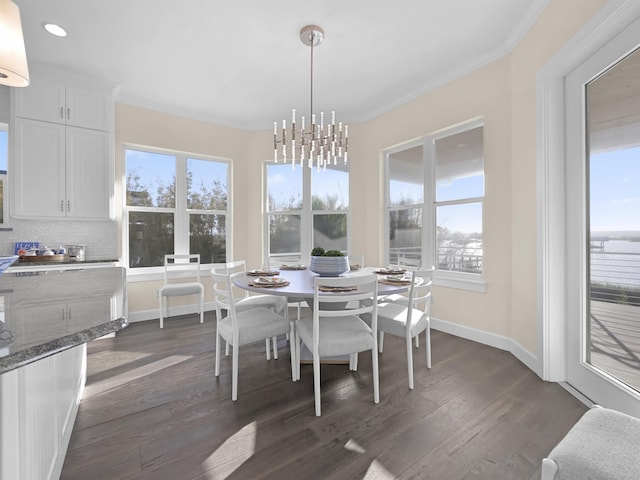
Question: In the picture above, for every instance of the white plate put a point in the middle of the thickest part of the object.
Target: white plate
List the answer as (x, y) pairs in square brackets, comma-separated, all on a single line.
[(269, 281), (398, 279)]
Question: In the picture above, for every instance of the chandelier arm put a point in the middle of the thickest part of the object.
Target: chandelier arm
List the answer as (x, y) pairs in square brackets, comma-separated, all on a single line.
[(316, 142)]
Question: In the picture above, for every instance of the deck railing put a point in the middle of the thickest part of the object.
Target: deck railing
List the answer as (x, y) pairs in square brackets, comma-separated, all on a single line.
[(452, 257), (615, 277)]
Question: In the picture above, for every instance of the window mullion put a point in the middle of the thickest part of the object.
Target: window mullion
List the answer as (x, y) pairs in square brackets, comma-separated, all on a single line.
[(181, 218), (429, 242), (306, 216)]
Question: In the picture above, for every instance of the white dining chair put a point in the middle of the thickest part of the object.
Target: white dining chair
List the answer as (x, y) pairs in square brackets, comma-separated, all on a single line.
[(247, 301), (408, 318), (239, 328), (179, 274), (334, 329)]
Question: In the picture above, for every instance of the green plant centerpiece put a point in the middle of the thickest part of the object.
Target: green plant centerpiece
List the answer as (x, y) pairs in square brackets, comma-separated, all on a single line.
[(328, 263)]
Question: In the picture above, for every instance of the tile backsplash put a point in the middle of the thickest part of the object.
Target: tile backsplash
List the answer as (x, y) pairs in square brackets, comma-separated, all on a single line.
[(99, 237)]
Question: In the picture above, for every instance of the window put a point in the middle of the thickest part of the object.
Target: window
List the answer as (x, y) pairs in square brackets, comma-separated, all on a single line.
[(435, 194), (175, 203), (305, 208), (459, 190), (405, 203), (4, 155)]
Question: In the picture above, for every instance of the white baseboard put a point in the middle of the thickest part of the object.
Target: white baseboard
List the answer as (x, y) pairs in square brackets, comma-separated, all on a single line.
[(491, 339), (144, 315)]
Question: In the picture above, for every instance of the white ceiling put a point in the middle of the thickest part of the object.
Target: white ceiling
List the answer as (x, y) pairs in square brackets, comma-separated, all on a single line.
[(241, 62)]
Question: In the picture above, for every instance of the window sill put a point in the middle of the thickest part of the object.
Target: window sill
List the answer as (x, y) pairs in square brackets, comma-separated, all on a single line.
[(461, 281)]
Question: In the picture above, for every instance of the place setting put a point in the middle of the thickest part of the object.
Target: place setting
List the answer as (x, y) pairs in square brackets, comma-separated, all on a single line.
[(269, 282), (326, 288), (395, 280), (293, 267), (390, 270), (262, 272)]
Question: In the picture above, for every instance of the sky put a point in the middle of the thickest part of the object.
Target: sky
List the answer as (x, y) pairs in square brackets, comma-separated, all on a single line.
[(4, 152), (615, 191), (161, 167)]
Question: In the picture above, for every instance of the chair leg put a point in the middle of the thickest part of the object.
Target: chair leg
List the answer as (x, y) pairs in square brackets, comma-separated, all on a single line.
[(161, 310), (316, 382), (353, 362), (417, 341), (267, 345), (381, 342), (376, 380), (202, 306), (292, 350), (234, 374), (274, 340), (428, 345), (298, 354), (409, 362), (217, 368), (226, 349)]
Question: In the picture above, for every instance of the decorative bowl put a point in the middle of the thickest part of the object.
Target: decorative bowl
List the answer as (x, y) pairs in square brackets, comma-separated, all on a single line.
[(329, 266)]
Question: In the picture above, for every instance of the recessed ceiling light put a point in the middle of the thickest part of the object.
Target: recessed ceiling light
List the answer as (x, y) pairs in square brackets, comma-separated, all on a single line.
[(55, 29)]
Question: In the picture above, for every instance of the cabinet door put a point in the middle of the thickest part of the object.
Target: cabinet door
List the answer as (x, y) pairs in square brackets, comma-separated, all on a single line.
[(42, 100), (88, 109), (88, 180), (37, 169)]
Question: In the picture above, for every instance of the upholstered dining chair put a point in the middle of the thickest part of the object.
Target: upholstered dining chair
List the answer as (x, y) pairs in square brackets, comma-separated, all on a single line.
[(334, 329), (245, 327), (177, 269), (247, 301), (408, 318)]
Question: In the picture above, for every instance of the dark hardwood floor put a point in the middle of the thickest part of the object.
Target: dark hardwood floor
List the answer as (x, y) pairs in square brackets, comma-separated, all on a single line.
[(153, 409)]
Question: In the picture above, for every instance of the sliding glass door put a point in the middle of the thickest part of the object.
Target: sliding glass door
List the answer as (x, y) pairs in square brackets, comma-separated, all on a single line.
[(603, 198)]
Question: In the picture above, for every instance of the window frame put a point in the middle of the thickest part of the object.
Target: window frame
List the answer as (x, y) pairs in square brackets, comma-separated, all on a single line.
[(306, 212), (453, 279), (180, 211), (4, 127)]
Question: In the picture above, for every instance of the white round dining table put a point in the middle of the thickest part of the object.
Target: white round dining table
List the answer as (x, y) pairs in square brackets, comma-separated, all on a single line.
[(301, 283), (300, 288)]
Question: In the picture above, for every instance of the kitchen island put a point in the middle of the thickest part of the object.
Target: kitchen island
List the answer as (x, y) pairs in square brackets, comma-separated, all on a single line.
[(47, 318)]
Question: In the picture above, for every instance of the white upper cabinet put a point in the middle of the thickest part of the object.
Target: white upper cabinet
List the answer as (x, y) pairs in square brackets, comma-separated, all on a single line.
[(61, 160), (53, 100)]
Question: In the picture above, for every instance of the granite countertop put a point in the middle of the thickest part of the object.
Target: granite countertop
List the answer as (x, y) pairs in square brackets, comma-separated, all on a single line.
[(46, 312), (21, 263)]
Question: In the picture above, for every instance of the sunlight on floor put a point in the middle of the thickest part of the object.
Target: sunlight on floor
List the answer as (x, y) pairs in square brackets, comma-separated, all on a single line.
[(229, 456), (137, 372), (377, 472), (354, 446)]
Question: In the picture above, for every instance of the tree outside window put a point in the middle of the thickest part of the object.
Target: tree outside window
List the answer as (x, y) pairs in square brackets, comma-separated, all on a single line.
[(175, 204), (299, 218)]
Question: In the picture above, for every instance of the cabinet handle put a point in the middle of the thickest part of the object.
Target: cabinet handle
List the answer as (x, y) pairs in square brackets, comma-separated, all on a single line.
[(68, 113), (62, 112), (62, 205)]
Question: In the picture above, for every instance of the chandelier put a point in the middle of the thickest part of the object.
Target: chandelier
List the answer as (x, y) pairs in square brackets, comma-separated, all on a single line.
[(319, 143)]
